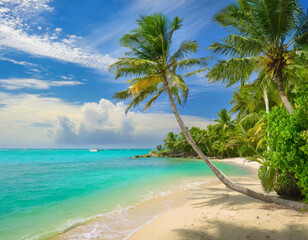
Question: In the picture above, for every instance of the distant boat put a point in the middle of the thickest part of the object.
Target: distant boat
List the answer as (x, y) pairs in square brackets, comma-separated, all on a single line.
[(94, 150)]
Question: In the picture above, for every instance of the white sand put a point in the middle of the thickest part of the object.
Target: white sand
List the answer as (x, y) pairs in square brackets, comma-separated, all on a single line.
[(208, 211), (215, 212)]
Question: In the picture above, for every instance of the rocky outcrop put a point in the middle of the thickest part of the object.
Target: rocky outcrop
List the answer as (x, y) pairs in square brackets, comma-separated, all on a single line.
[(165, 154)]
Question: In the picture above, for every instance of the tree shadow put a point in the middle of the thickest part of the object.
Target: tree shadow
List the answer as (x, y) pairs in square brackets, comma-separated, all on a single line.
[(230, 231), (222, 198), (227, 200)]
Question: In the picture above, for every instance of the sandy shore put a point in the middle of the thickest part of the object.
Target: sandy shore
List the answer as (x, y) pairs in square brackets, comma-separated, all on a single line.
[(206, 210), (215, 212)]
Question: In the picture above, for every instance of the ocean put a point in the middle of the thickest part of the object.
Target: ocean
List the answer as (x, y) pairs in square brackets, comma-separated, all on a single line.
[(46, 192)]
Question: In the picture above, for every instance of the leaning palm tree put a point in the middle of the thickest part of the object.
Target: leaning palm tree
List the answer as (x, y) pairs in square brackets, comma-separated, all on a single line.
[(265, 37), (154, 68)]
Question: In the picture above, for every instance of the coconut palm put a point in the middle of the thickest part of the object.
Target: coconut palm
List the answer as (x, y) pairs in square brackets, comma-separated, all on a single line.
[(224, 121), (154, 68), (265, 37), (170, 141)]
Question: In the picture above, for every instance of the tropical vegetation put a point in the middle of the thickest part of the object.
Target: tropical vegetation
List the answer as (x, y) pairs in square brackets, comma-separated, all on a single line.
[(269, 39), (154, 70)]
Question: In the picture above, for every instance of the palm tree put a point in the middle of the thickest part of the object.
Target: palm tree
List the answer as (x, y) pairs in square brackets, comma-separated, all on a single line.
[(251, 98), (223, 128), (170, 141), (265, 37), (155, 70), (224, 121), (249, 133)]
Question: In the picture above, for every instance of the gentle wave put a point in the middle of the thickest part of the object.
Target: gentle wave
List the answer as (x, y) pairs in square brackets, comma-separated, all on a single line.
[(103, 228)]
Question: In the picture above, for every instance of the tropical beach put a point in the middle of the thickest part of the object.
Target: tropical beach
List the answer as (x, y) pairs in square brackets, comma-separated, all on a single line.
[(153, 119), (204, 210), (214, 212)]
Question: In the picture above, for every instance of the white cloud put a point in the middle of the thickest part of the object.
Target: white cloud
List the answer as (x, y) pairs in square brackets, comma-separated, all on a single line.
[(29, 120), (66, 77), (18, 83), (105, 124), (23, 63), (14, 33), (26, 118)]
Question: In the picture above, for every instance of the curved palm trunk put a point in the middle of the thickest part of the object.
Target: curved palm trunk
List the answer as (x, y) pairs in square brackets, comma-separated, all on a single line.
[(224, 179), (283, 97)]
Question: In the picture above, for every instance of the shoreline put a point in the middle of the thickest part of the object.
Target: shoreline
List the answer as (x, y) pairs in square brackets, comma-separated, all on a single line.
[(220, 213), (154, 206), (141, 214), (176, 215)]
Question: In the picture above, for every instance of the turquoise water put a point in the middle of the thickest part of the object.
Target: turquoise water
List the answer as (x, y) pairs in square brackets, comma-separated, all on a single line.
[(43, 192)]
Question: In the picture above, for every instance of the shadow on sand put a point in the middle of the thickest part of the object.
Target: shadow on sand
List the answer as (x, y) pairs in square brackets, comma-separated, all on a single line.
[(215, 229), (229, 231)]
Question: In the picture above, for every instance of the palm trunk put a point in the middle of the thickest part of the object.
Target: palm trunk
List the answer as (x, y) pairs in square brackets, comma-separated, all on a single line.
[(267, 111), (266, 100), (283, 97), (224, 179)]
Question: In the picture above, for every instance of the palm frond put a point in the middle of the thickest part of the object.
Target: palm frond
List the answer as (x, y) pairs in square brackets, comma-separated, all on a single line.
[(132, 67), (186, 48), (144, 83), (179, 83), (175, 25), (301, 34), (197, 72), (153, 99), (237, 46), (123, 95), (276, 19), (238, 18), (188, 63), (233, 70)]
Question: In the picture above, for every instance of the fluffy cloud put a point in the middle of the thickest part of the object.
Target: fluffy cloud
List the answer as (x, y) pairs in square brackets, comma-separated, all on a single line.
[(29, 120), (15, 33), (18, 83), (26, 118), (106, 124)]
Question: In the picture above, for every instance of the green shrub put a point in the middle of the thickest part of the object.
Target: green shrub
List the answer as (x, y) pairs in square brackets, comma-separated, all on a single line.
[(288, 153), (287, 185)]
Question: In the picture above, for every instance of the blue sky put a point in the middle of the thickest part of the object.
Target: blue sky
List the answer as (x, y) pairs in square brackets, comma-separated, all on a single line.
[(54, 87)]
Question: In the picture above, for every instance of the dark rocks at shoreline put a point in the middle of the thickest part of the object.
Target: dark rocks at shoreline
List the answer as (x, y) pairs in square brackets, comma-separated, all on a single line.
[(170, 155), (141, 156)]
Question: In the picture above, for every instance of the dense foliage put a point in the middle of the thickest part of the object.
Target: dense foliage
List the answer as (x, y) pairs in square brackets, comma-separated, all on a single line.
[(226, 138), (288, 155), (265, 37)]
